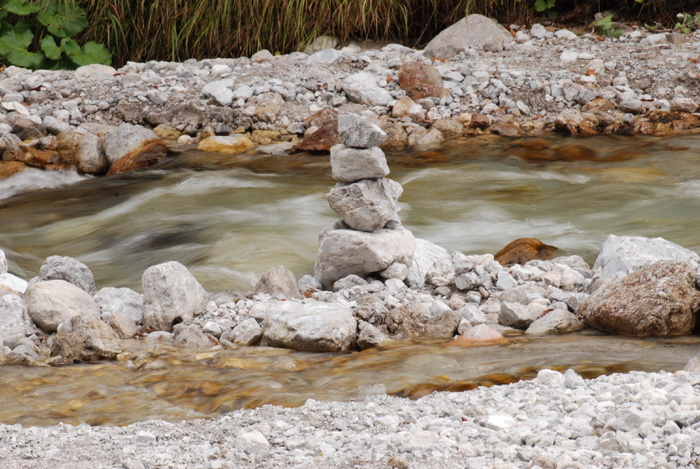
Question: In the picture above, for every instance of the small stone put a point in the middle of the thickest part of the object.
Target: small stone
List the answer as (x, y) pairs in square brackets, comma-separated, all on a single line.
[(228, 145), (353, 164), (354, 131)]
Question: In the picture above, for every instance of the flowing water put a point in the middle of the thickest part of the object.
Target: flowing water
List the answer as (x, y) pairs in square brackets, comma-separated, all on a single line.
[(230, 218)]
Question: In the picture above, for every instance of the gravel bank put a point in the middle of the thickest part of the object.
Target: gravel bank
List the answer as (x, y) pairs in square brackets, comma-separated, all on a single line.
[(554, 421)]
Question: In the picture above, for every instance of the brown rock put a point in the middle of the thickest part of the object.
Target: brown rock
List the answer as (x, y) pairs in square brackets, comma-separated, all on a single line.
[(659, 300), (421, 81), (480, 121), (504, 129), (449, 128), (230, 145), (69, 145), (86, 338), (41, 158), (397, 138), (407, 108), (598, 105), (523, 250), (325, 137), (575, 123), (264, 137), (141, 158), (574, 152), (666, 122), (166, 132), (10, 168)]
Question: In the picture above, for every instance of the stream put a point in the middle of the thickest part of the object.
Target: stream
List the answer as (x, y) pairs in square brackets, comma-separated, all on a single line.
[(229, 218)]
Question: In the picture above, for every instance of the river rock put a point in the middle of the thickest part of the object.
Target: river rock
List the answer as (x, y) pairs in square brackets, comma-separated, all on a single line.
[(345, 252), (125, 139), (70, 270), (247, 332), (120, 300), (143, 157), (523, 250), (86, 338), (352, 164), (123, 325), (221, 91), (481, 333), (3, 262), (621, 255), (170, 293), (370, 336), (366, 205), (431, 264), (419, 320), (362, 88), (314, 326), (473, 31), (14, 321), (556, 321), (24, 354), (27, 129), (658, 300), (190, 336), (421, 80), (10, 283), (279, 283), (229, 145), (10, 168), (517, 315), (324, 137), (91, 158), (355, 131), (52, 302)]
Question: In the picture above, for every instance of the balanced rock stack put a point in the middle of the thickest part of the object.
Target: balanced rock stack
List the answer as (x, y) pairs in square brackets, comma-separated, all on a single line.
[(370, 238)]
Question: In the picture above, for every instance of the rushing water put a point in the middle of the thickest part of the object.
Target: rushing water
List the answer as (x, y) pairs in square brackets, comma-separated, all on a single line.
[(230, 218)]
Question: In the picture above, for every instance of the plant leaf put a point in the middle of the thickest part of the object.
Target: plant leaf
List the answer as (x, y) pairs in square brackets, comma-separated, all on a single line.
[(20, 7), (50, 48), (64, 20), (90, 53), (14, 47)]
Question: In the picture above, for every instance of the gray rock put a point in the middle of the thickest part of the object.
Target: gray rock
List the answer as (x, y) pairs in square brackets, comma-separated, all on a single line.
[(125, 139), (621, 255), (278, 282), (366, 205), (308, 282), (431, 264), (349, 282), (14, 321), (91, 158), (557, 321), (481, 332), (357, 132), (345, 252), (472, 314), (247, 332), (190, 336), (353, 164), (23, 354), (243, 92), (253, 443), (86, 338), (418, 320), (659, 300), (55, 126), (325, 57), (262, 56), (3, 262), (516, 315), (321, 43), (53, 302), (121, 300), (70, 270), (94, 72), (538, 31), (369, 336), (472, 31), (313, 326), (220, 91), (362, 88), (170, 292), (12, 284), (123, 325)]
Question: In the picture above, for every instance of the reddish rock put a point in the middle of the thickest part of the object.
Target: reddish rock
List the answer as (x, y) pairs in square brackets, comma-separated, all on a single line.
[(659, 300), (10, 168), (41, 158), (575, 123), (325, 137), (598, 105), (141, 158), (407, 108), (421, 81), (666, 122), (505, 129), (523, 250), (480, 121)]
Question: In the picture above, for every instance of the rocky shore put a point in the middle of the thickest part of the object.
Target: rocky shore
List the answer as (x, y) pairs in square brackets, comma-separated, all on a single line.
[(475, 77)]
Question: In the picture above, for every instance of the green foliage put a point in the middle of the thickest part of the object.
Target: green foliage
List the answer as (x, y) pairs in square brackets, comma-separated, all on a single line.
[(687, 22), (543, 5), (606, 27), (29, 34)]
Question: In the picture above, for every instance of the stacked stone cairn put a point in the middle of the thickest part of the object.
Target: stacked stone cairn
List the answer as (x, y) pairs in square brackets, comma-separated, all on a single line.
[(369, 239)]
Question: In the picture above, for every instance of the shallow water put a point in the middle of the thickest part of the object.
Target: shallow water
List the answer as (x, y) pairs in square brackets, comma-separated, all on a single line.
[(230, 218)]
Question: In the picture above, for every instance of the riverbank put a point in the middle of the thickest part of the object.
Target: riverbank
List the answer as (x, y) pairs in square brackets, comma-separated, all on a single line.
[(510, 83)]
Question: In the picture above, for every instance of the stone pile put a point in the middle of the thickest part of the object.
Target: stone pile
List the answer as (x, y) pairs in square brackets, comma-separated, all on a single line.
[(369, 238)]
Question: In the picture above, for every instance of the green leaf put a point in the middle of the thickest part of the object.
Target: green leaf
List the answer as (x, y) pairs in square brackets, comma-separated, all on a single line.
[(90, 53), (15, 48), (50, 48), (542, 5), (64, 20), (20, 7)]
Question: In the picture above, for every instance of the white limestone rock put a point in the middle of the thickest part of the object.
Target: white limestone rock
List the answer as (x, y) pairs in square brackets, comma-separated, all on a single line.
[(352, 164), (53, 302), (357, 132), (366, 205), (362, 88)]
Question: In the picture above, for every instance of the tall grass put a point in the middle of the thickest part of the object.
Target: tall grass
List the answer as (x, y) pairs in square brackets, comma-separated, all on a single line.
[(142, 30)]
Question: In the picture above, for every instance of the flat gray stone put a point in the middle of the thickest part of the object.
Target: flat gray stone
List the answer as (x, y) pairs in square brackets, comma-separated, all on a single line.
[(366, 205), (352, 164), (355, 131)]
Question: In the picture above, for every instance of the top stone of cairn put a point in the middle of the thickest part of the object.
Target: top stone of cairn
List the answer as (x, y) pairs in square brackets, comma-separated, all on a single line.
[(354, 131)]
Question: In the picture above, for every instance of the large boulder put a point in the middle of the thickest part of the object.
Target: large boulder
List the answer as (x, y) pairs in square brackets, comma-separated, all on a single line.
[(320, 327), (473, 31), (345, 252), (170, 294), (659, 300), (53, 302), (86, 338), (420, 81), (352, 164), (278, 282), (366, 205), (68, 269), (621, 255)]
